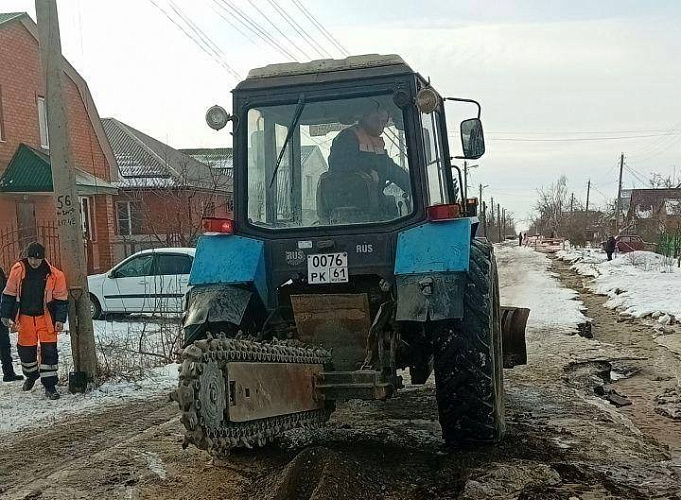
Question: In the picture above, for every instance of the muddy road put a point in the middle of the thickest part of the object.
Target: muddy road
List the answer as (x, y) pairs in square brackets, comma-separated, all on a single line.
[(563, 440)]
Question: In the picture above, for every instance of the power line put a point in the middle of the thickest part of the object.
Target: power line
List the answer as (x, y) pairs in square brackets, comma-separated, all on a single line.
[(199, 32), (579, 139), (657, 142), (321, 28), (197, 42), (254, 27), (300, 30), (234, 25), (289, 40), (575, 132)]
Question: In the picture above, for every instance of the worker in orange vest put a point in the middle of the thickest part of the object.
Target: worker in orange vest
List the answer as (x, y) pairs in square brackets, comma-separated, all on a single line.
[(35, 304), (361, 148)]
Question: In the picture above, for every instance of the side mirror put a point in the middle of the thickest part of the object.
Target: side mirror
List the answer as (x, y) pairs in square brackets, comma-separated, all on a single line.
[(112, 275), (472, 139)]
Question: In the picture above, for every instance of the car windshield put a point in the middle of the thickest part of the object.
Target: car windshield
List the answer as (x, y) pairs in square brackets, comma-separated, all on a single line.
[(345, 162)]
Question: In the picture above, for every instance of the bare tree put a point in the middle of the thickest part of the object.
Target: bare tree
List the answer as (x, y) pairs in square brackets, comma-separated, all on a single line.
[(659, 181), (551, 206)]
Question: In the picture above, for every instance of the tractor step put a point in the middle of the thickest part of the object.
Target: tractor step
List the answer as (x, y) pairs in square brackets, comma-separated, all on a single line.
[(359, 384)]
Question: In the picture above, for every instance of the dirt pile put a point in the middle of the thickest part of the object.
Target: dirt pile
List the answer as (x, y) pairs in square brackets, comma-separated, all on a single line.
[(317, 473)]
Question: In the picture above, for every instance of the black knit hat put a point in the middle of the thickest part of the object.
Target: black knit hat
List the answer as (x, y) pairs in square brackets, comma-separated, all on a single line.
[(35, 250)]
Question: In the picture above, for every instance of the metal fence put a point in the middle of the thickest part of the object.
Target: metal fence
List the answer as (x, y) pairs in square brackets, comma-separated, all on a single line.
[(13, 243)]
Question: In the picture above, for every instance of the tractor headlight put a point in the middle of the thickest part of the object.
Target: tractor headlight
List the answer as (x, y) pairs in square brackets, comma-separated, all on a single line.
[(217, 117)]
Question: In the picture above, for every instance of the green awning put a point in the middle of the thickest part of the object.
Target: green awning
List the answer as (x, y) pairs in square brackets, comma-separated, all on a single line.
[(29, 171)]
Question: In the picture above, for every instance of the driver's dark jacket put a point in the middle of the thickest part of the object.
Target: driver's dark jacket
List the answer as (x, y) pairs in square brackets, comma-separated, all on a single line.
[(353, 150)]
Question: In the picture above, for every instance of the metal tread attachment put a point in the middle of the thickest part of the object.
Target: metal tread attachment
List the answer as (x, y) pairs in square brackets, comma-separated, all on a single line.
[(203, 392)]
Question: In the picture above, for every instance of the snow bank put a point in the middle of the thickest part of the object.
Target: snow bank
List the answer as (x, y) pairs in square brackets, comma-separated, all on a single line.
[(138, 377), (639, 284), (527, 282)]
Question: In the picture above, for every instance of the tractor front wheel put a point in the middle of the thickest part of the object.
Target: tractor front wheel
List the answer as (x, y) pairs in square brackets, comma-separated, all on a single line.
[(468, 359)]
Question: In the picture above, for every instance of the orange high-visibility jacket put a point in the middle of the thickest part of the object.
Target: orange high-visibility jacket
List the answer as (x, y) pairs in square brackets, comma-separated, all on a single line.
[(56, 296)]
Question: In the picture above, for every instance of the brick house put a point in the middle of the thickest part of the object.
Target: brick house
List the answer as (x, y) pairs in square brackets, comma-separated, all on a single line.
[(653, 212), (27, 210), (163, 193)]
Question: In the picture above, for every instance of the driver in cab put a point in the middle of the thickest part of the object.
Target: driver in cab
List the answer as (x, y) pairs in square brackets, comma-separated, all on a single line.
[(360, 149)]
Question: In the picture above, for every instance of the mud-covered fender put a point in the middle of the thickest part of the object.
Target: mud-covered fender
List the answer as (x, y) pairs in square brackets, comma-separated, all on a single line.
[(431, 264), (228, 274), (213, 304)]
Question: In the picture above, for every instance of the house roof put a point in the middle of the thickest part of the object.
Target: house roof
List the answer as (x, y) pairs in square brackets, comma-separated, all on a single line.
[(81, 85), (653, 200), (6, 17), (29, 171), (145, 162), (220, 158)]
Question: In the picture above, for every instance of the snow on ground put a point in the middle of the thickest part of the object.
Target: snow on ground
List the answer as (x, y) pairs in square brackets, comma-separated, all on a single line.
[(638, 284), (526, 281), (131, 376)]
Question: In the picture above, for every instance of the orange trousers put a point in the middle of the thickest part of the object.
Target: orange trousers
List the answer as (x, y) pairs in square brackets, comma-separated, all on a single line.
[(34, 329)]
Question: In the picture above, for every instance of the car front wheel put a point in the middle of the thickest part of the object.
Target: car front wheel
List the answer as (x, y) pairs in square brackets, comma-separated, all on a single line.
[(95, 307)]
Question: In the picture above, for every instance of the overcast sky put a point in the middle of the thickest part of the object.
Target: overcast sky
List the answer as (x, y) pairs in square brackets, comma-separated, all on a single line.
[(546, 72)]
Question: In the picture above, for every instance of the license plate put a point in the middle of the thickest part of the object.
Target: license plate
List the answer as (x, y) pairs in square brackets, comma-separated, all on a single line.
[(327, 268)]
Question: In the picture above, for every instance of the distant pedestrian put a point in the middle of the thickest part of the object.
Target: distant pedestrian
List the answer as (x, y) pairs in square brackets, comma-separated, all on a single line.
[(8, 374), (35, 304), (610, 245), (520, 239)]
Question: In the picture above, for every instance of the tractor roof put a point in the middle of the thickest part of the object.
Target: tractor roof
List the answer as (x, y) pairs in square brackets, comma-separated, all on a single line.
[(326, 65), (319, 70)]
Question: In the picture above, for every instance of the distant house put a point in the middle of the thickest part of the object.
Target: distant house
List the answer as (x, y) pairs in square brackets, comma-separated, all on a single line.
[(27, 208), (313, 165), (219, 159), (163, 193), (654, 211)]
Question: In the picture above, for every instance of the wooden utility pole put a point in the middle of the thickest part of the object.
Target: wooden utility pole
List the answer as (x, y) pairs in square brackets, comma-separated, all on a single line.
[(619, 195), (499, 220), (572, 205), (465, 180), (482, 205), (586, 210), (492, 211), (484, 219), (66, 199)]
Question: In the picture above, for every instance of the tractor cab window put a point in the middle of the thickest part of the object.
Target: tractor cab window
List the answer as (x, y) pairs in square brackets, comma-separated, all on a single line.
[(436, 186), (323, 163)]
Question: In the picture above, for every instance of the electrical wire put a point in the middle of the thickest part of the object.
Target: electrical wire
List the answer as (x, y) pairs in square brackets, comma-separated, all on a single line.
[(321, 28), (255, 27), (580, 139), (197, 42), (300, 30), (286, 37)]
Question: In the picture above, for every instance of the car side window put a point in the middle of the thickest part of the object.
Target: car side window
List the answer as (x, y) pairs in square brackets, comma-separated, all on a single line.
[(137, 267), (174, 264)]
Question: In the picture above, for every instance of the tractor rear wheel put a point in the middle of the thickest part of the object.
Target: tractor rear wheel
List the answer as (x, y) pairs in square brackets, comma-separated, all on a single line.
[(469, 361)]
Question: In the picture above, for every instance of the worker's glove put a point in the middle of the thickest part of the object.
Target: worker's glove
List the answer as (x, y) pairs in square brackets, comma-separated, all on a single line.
[(59, 326), (9, 324)]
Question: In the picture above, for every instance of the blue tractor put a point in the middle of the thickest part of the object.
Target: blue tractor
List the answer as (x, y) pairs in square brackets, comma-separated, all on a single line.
[(351, 260)]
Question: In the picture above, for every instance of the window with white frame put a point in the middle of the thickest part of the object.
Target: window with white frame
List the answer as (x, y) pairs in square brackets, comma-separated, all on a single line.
[(129, 217), (42, 120)]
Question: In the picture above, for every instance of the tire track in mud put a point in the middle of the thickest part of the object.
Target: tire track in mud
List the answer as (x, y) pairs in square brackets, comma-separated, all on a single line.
[(38, 453), (644, 379)]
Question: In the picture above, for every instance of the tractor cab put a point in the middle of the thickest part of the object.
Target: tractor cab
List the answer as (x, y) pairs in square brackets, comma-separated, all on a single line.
[(341, 146)]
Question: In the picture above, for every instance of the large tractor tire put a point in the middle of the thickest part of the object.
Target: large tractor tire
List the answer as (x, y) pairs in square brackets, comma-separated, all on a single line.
[(469, 361)]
